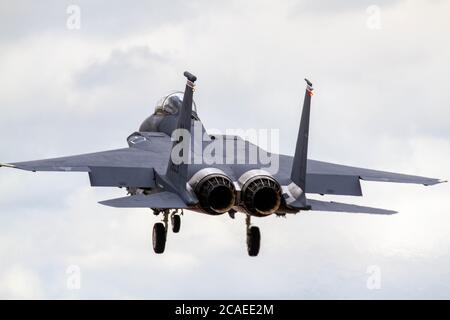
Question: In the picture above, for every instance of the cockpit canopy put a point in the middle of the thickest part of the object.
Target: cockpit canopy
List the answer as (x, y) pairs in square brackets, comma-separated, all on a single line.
[(165, 108), (171, 103)]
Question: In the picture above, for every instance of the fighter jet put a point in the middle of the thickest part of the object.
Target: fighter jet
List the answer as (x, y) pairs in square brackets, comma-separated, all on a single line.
[(160, 169)]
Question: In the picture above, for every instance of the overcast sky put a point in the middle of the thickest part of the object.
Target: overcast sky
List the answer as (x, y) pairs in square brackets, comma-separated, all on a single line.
[(381, 71)]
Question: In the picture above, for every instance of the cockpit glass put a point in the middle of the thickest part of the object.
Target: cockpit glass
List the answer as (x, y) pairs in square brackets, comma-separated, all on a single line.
[(171, 103)]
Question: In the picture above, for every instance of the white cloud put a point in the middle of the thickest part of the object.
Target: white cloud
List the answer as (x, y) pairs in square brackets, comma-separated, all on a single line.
[(19, 282), (381, 102)]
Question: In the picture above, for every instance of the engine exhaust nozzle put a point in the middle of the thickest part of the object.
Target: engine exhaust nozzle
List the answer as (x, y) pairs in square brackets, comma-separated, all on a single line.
[(260, 194)]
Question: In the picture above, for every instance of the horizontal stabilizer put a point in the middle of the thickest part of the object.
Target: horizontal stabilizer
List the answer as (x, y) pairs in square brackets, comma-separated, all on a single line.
[(159, 200), (317, 205)]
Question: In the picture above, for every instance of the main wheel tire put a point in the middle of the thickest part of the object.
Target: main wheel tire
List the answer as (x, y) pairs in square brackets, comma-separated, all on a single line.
[(159, 237), (253, 241), (176, 223)]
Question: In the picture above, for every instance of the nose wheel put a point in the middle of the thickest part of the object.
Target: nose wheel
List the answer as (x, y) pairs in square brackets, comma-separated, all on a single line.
[(253, 238), (159, 234)]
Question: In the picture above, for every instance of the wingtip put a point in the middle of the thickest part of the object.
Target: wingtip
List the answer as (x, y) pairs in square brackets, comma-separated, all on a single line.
[(107, 203), (437, 181), (7, 165), (391, 212)]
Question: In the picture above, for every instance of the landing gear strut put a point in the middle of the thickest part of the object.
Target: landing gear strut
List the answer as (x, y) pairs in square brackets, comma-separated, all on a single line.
[(253, 238), (159, 235)]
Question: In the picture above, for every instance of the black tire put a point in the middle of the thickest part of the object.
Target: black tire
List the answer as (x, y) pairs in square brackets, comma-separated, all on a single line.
[(159, 237), (176, 223), (253, 241)]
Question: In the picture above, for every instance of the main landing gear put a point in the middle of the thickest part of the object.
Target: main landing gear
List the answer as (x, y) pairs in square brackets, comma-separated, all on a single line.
[(160, 229), (159, 235), (253, 238)]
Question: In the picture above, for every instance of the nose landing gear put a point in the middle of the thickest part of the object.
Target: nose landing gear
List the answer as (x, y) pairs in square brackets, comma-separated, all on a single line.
[(159, 234)]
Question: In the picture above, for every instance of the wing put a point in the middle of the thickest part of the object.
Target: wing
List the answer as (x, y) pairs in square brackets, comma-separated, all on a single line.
[(329, 178), (159, 200), (128, 167), (125, 158), (325, 168)]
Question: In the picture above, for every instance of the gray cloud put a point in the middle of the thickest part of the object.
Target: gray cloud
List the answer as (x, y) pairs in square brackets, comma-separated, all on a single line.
[(119, 65)]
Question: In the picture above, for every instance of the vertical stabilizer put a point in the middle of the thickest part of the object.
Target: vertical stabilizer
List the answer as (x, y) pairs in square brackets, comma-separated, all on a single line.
[(176, 176), (176, 171), (298, 172)]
